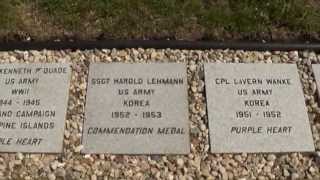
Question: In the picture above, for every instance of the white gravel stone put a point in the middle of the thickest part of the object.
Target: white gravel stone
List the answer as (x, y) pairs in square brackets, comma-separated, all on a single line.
[(271, 157), (51, 177), (180, 162)]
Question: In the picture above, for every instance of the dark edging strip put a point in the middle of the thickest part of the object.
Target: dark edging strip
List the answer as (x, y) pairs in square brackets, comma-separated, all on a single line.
[(158, 44)]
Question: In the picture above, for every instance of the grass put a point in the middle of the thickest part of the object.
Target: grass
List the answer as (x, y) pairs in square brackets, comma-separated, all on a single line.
[(160, 19), (7, 16)]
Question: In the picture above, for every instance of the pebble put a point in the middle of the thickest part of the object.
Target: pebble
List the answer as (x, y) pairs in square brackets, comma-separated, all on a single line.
[(79, 168), (223, 173), (51, 176), (60, 172), (20, 156), (153, 55), (54, 165), (94, 177), (180, 162), (271, 157), (286, 173), (294, 176), (205, 171), (193, 67), (78, 148), (312, 170), (275, 59)]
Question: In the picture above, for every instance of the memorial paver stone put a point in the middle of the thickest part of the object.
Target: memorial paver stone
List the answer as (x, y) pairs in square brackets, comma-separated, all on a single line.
[(137, 109), (256, 108), (33, 105), (316, 73)]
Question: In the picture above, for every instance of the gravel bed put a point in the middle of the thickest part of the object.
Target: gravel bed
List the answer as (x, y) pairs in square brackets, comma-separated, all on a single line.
[(200, 163)]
